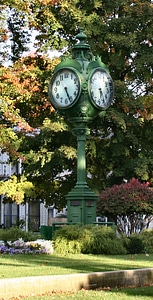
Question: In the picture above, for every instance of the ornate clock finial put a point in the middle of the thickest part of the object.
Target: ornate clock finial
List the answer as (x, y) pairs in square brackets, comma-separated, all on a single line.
[(81, 50), (81, 36)]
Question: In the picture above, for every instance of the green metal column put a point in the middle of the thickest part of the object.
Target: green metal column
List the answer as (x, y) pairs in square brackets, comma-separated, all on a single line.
[(81, 153), (81, 161), (81, 200)]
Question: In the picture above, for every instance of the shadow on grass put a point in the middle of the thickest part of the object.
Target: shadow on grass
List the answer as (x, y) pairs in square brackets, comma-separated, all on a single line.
[(79, 263), (146, 291)]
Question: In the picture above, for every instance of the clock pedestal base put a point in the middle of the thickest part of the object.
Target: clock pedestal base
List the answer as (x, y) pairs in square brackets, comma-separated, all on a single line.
[(81, 201)]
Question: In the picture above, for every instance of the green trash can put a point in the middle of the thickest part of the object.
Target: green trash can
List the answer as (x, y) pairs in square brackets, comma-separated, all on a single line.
[(43, 231), (46, 232), (49, 232)]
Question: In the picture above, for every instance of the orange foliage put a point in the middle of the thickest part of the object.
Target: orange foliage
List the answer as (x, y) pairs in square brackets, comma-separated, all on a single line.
[(50, 2), (25, 89)]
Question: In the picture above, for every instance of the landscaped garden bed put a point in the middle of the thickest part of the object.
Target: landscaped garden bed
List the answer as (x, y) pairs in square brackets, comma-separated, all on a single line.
[(31, 247), (24, 255)]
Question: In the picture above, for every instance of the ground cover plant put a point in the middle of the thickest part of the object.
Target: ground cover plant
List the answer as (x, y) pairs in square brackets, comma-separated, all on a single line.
[(16, 241), (21, 247)]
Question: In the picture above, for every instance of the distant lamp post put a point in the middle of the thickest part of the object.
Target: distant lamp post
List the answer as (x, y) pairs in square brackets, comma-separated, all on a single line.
[(81, 88)]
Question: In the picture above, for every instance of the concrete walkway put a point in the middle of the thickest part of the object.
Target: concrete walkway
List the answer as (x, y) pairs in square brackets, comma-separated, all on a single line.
[(26, 286)]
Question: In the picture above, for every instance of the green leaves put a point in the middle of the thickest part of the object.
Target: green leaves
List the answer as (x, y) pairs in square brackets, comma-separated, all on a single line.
[(120, 145)]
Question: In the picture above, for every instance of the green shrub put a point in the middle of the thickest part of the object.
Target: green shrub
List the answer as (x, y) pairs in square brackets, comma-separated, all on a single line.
[(63, 246), (104, 241), (134, 244), (70, 232), (87, 239), (147, 238), (12, 234)]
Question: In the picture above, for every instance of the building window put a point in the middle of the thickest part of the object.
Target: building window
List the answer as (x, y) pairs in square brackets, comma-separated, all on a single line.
[(11, 214), (34, 215)]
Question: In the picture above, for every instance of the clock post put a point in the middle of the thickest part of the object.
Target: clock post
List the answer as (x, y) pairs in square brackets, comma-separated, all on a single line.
[(81, 89)]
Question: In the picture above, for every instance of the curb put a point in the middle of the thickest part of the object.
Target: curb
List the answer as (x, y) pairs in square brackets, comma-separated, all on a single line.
[(26, 286)]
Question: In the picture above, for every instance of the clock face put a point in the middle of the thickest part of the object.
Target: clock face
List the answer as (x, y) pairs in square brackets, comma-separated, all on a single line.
[(101, 88), (64, 88)]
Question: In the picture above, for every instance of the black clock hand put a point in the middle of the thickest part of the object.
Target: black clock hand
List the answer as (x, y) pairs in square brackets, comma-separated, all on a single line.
[(101, 95), (67, 92)]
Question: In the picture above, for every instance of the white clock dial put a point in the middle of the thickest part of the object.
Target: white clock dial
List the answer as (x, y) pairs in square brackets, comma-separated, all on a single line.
[(64, 88), (101, 88)]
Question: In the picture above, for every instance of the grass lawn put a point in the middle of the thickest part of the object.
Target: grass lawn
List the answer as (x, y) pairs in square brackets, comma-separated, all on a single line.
[(141, 293), (40, 265)]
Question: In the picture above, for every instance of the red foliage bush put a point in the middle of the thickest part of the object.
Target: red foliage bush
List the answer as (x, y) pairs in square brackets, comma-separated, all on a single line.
[(128, 199)]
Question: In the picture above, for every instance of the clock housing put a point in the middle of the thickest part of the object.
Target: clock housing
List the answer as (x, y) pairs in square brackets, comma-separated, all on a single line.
[(101, 88), (64, 88)]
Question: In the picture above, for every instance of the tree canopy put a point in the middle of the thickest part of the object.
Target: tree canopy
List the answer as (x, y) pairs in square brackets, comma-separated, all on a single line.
[(120, 144)]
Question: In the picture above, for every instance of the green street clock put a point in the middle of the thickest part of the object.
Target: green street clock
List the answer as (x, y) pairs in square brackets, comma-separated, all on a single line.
[(101, 88), (64, 88), (81, 89)]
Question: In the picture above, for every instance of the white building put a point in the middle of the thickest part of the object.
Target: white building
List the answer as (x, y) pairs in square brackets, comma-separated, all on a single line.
[(32, 215)]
